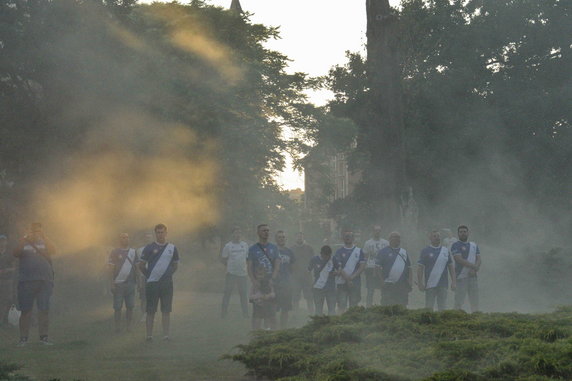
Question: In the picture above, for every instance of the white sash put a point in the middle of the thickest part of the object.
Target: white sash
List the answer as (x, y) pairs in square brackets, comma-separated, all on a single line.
[(350, 265), (126, 267), (438, 267), (397, 268), (162, 264), (324, 274), (472, 258)]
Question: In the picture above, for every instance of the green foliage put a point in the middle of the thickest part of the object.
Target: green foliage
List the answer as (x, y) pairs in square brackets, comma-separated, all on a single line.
[(7, 373), (394, 343)]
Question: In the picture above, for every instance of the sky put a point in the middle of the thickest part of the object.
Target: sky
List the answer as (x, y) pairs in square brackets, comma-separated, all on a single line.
[(315, 34)]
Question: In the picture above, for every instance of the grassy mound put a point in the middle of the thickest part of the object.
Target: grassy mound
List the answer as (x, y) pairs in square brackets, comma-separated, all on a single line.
[(392, 343)]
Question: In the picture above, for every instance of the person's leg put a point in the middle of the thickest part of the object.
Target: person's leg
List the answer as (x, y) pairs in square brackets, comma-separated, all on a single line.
[(319, 301), (308, 296), (152, 302), (228, 284), (441, 298), (166, 297), (473, 291), (166, 322), (460, 293), (342, 298), (117, 294), (296, 293), (43, 304), (241, 282), (355, 293), (331, 302), (430, 295), (26, 293), (129, 306), (386, 294), (370, 287)]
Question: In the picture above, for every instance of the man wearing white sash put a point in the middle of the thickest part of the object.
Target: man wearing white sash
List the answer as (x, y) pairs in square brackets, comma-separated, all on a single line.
[(352, 263), (324, 269), (371, 248), (123, 280), (395, 271), (158, 262), (434, 262), (467, 263)]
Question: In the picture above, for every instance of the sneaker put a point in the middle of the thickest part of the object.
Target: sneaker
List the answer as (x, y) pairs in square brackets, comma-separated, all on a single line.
[(45, 341), (23, 341)]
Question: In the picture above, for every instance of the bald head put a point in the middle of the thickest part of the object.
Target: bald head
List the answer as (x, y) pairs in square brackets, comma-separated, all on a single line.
[(394, 239)]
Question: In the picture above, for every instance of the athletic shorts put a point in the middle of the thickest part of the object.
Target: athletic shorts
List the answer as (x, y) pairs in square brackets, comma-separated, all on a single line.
[(123, 292), (283, 298), (163, 291), (38, 290)]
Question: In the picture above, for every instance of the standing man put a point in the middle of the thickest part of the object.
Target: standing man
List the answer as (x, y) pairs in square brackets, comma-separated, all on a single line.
[(395, 272), (7, 270), (263, 254), (159, 262), (371, 248), (123, 274), (467, 263), (35, 281), (352, 264), (234, 255), (283, 286), (324, 288), (301, 279), (434, 262)]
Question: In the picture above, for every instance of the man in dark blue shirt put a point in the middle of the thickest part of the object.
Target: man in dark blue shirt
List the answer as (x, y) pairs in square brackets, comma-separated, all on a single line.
[(324, 268), (158, 263), (395, 270), (352, 263), (467, 264), (434, 262)]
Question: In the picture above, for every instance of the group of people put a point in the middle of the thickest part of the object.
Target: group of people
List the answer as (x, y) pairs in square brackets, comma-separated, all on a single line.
[(277, 278)]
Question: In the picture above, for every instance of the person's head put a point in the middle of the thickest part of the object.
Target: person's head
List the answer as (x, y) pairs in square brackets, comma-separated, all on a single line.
[(280, 238), (326, 252), (160, 233), (348, 237), (463, 233), (124, 240), (377, 231), (236, 234), (3, 242), (435, 238), (394, 239), (148, 237), (36, 231), (300, 238), (263, 232)]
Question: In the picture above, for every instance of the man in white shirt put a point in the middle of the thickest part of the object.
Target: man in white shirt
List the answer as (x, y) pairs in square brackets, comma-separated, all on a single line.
[(371, 248), (234, 256)]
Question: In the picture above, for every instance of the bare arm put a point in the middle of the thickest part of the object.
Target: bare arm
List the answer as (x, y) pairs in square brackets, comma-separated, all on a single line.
[(250, 271), (452, 275), (276, 264), (360, 269)]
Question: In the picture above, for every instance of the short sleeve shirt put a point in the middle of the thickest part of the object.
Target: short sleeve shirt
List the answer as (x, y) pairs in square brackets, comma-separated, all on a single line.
[(343, 255), (35, 265), (236, 254), (287, 259), (385, 259), (462, 248), (317, 264), (152, 253), (428, 258), (371, 248), (117, 258), (263, 255)]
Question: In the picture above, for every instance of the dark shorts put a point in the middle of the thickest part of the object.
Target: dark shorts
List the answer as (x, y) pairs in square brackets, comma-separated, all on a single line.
[(123, 292), (163, 291), (372, 279), (38, 290), (264, 310), (283, 298)]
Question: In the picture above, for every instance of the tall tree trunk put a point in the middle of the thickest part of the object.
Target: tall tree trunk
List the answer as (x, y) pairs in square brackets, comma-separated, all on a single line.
[(384, 132)]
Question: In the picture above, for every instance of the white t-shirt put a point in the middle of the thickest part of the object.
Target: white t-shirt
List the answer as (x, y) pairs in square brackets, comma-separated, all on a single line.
[(371, 248), (236, 254)]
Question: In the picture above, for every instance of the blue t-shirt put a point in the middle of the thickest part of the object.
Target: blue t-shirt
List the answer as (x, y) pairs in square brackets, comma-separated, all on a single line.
[(34, 265), (428, 258), (343, 254), (263, 255), (116, 258), (286, 260), (317, 264), (385, 259), (461, 248), (151, 254)]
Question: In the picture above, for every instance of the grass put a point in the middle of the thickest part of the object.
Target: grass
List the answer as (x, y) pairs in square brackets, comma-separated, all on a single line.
[(87, 349)]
